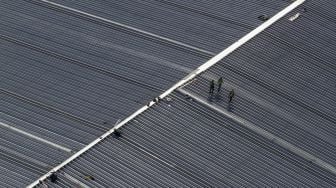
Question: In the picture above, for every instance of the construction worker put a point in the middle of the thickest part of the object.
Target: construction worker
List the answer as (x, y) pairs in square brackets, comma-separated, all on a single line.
[(263, 17), (88, 177), (53, 177), (220, 82), (212, 86), (231, 95), (42, 184), (117, 133)]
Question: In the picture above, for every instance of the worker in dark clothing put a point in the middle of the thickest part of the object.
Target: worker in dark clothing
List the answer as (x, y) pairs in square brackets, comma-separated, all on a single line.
[(53, 177), (220, 82), (117, 133), (42, 184), (88, 177), (231, 95), (263, 17), (212, 86)]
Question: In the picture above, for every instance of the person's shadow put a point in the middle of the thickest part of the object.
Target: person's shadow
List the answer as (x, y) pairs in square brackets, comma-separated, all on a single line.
[(230, 107), (218, 97), (210, 97)]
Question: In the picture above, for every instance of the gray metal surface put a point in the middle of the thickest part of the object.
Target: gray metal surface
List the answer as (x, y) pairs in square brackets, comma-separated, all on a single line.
[(284, 82), (24, 158), (207, 24), (182, 143), (67, 78)]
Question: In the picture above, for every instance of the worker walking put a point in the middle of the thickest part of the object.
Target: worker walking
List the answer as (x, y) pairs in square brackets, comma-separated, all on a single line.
[(53, 177), (220, 82), (231, 95), (42, 184), (212, 86), (89, 177), (117, 133)]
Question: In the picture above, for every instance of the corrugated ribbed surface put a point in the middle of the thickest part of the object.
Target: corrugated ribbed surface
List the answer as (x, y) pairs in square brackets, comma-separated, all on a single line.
[(66, 78), (184, 144), (211, 25), (284, 83)]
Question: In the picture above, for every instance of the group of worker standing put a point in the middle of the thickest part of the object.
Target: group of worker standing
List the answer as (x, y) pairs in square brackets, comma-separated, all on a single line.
[(219, 87)]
